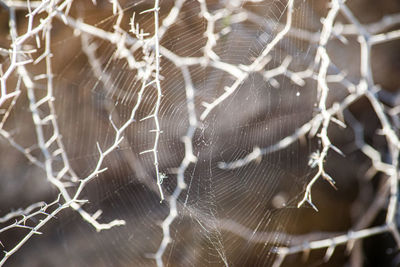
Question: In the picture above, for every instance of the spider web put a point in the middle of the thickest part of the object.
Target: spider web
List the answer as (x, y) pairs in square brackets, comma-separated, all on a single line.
[(258, 114), (209, 159)]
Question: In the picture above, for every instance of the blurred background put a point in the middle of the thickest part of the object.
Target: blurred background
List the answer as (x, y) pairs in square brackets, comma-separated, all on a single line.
[(226, 217)]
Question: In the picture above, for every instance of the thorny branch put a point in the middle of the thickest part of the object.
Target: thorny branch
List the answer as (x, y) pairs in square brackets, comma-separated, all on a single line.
[(368, 36), (148, 71)]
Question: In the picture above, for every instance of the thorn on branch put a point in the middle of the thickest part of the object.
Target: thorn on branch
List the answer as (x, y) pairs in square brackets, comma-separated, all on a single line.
[(146, 151), (148, 117), (337, 150), (154, 9)]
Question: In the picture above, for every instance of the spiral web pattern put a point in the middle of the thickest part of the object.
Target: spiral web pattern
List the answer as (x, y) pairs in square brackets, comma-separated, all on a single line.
[(180, 133)]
